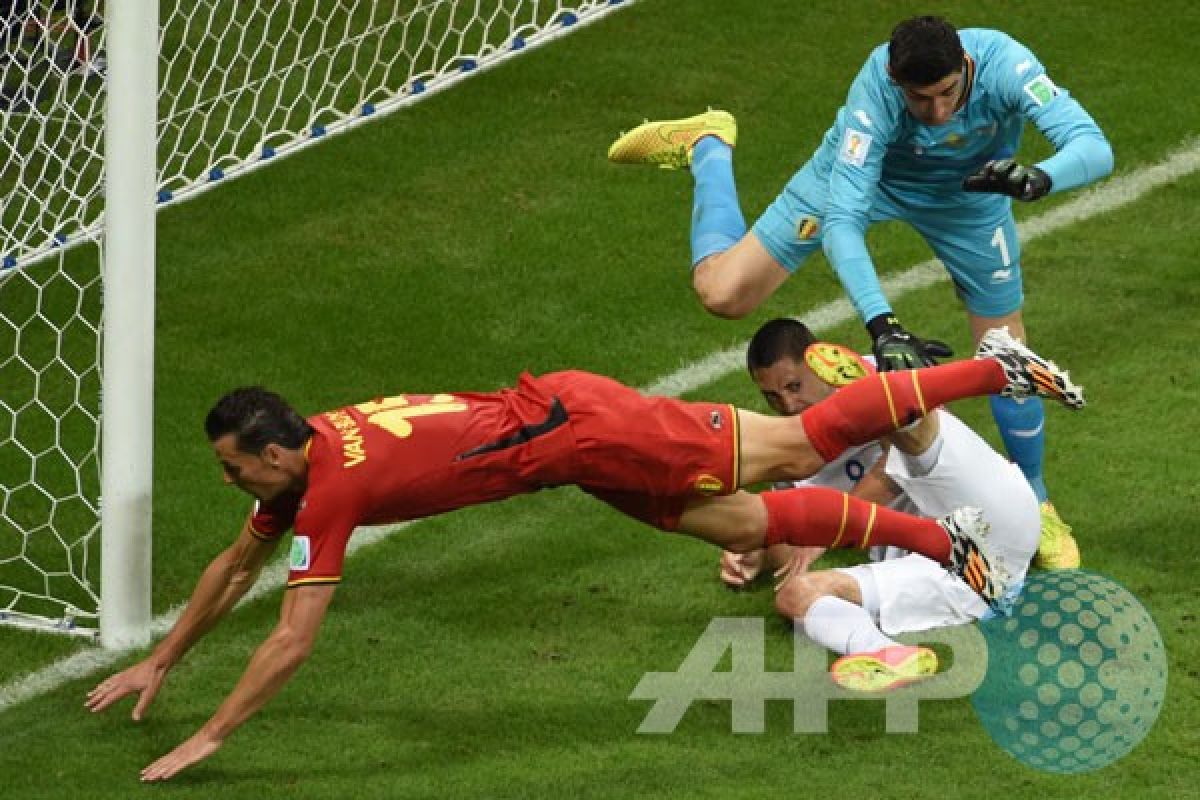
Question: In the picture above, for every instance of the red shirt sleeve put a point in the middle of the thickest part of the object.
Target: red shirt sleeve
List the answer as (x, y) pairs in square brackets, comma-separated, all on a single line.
[(319, 544), (269, 523)]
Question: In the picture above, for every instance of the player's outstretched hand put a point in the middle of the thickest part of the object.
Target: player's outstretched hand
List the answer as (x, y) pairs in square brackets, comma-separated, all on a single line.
[(896, 348), (144, 677), (1008, 177), (195, 749)]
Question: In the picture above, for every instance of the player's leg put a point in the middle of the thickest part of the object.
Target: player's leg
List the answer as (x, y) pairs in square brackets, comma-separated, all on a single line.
[(959, 468), (828, 605), (793, 448), (979, 246), (734, 282), (985, 261), (734, 522), (796, 595), (676, 470), (838, 610), (904, 595), (1022, 428), (808, 516), (725, 263), (703, 144), (1021, 421), (648, 456), (733, 270), (819, 517)]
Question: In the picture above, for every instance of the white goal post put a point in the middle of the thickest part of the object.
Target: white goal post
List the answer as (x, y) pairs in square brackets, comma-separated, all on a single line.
[(110, 110)]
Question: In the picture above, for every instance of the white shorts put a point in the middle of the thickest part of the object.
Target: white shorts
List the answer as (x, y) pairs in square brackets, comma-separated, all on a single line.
[(916, 593), (969, 472)]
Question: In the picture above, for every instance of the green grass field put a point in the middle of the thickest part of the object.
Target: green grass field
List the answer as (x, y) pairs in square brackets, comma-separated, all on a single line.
[(491, 652)]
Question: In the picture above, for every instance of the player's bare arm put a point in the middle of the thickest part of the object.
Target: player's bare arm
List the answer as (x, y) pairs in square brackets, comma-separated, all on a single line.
[(875, 486), (271, 666), (226, 579)]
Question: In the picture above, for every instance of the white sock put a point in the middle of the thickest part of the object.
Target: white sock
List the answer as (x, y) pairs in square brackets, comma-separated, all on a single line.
[(843, 627)]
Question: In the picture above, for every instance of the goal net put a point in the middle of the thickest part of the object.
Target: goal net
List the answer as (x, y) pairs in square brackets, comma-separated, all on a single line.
[(239, 86)]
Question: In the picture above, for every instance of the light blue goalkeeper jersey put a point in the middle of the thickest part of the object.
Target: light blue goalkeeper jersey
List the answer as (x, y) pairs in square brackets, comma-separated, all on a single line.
[(875, 146)]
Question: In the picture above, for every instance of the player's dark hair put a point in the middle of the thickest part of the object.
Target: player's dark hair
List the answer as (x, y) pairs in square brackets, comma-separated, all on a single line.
[(257, 418), (923, 51), (776, 339)]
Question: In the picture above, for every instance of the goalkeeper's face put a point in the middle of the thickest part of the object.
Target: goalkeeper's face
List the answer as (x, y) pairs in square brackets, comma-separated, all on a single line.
[(936, 103), (264, 475)]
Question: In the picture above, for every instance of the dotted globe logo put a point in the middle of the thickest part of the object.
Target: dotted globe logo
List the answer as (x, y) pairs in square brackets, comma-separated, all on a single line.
[(1076, 675)]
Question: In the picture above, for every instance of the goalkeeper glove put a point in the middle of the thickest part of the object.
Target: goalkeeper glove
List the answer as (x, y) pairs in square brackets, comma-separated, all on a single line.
[(896, 348), (1008, 177)]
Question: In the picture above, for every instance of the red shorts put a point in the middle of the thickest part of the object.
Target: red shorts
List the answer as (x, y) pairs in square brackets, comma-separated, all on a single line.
[(646, 456)]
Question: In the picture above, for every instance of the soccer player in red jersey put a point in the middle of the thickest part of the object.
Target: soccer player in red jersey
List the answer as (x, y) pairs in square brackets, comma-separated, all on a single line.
[(675, 465)]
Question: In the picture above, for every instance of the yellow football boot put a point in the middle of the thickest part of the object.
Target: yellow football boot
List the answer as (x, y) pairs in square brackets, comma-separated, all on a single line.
[(1058, 548), (668, 143)]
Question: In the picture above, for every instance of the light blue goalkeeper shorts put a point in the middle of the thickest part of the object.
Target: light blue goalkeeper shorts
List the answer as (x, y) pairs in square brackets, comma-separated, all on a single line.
[(974, 235)]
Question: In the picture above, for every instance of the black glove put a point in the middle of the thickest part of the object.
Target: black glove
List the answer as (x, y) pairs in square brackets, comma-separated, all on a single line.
[(1008, 177), (896, 348)]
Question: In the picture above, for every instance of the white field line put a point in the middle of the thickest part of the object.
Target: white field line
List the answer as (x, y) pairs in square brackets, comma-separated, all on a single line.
[(1112, 195)]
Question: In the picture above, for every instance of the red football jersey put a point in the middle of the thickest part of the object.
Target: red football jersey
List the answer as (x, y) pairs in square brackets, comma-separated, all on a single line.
[(410, 456), (393, 459)]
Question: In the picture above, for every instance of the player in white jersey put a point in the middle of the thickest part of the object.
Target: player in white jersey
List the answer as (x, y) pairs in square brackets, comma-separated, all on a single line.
[(775, 360), (937, 463), (927, 135), (855, 611)]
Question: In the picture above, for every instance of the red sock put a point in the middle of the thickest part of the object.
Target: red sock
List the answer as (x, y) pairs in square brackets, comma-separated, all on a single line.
[(886, 401), (815, 515)]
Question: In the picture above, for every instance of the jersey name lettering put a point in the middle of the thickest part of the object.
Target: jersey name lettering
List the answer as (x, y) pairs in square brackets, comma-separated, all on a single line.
[(353, 452)]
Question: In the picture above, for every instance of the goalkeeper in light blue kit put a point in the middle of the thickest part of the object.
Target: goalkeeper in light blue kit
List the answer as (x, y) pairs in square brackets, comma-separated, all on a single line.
[(927, 135)]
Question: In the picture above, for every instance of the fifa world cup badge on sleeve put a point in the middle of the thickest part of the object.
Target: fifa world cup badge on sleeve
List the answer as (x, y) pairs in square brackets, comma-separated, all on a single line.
[(1041, 89), (855, 146), (298, 559)]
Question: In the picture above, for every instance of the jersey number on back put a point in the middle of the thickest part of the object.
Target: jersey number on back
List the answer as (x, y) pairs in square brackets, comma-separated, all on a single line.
[(393, 413)]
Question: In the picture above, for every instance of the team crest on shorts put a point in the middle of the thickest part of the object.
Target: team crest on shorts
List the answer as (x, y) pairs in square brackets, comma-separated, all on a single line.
[(714, 419), (807, 228), (709, 484)]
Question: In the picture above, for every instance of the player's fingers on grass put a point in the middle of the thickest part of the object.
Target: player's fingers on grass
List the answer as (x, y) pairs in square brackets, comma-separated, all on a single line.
[(144, 700), (103, 696), (731, 570)]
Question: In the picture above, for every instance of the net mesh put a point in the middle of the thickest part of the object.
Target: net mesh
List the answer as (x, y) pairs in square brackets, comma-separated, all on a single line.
[(49, 411)]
